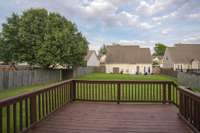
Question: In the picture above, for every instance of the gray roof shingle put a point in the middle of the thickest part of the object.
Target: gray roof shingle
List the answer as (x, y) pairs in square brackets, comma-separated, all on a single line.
[(184, 53), (128, 54)]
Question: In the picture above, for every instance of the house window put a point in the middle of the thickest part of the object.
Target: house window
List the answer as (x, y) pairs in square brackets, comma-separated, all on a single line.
[(178, 67), (138, 70), (149, 70)]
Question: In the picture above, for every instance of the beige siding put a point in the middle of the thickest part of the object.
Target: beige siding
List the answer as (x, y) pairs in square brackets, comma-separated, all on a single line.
[(167, 61), (93, 60), (195, 64), (129, 68), (181, 66)]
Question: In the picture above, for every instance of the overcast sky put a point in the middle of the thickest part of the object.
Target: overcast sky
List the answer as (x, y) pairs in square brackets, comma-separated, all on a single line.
[(143, 22)]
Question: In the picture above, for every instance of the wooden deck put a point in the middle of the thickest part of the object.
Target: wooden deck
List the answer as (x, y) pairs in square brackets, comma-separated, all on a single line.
[(84, 117)]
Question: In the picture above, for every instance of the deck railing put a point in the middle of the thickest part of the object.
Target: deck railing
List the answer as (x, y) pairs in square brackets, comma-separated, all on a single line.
[(127, 91), (19, 113), (190, 108), (22, 112)]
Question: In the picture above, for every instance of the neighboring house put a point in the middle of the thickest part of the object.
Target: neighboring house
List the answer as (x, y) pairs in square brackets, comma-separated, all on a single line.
[(182, 57), (128, 59), (92, 59)]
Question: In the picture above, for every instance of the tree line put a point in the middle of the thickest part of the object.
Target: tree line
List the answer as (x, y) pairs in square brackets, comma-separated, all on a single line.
[(39, 37)]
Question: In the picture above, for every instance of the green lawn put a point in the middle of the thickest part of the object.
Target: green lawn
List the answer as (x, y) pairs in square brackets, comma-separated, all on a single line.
[(104, 76), (21, 90)]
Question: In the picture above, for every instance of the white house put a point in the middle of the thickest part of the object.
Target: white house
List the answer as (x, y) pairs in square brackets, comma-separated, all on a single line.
[(92, 59), (182, 57), (128, 59)]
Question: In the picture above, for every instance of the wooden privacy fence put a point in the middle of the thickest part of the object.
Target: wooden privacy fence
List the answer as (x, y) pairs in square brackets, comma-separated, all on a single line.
[(22, 112), (20, 78)]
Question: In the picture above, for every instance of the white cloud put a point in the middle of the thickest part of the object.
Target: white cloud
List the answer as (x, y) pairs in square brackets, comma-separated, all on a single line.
[(156, 6), (164, 17), (184, 11), (99, 7), (147, 26), (149, 9), (105, 12), (192, 39), (166, 31), (195, 16)]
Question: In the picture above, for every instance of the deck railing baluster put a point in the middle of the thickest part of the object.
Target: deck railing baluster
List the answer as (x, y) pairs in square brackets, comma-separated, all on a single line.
[(14, 118), (118, 93), (1, 120), (8, 118)]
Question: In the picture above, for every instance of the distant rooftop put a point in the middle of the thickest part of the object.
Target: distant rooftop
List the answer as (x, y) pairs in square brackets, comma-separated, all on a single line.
[(184, 53), (128, 54)]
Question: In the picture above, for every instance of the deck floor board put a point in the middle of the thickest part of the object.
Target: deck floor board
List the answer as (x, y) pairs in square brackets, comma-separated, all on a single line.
[(84, 117)]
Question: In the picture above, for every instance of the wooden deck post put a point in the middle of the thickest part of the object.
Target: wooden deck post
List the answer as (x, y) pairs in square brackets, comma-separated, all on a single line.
[(118, 93), (164, 93), (73, 90), (169, 93), (33, 110)]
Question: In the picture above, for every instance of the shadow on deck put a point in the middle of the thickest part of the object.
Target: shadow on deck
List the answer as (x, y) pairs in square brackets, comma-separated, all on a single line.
[(85, 117)]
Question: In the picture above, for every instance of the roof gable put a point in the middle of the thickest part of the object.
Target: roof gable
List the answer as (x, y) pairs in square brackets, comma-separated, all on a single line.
[(89, 54)]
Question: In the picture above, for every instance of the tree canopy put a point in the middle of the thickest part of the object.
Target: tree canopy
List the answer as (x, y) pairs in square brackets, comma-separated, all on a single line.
[(43, 38), (159, 49), (102, 50)]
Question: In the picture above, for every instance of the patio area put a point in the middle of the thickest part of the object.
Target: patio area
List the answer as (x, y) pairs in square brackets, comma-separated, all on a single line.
[(90, 117)]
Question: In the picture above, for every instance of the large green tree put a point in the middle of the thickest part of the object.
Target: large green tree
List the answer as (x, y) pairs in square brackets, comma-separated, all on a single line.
[(159, 49), (9, 40), (42, 37)]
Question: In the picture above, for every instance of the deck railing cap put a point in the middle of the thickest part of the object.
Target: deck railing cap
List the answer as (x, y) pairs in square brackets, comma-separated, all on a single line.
[(126, 81), (189, 92), (14, 99)]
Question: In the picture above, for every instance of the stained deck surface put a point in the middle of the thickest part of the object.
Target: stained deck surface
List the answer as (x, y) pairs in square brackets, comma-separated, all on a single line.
[(86, 117)]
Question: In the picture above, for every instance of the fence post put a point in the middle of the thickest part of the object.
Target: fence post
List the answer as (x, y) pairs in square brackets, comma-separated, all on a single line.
[(118, 93), (164, 93), (73, 90), (33, 110), (169, 92)]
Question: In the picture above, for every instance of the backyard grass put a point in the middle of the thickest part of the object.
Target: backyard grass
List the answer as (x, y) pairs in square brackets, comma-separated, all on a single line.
[(104, 76), (21, 90)]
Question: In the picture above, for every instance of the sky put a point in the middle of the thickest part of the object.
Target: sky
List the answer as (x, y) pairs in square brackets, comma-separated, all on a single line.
[(132, 22)]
